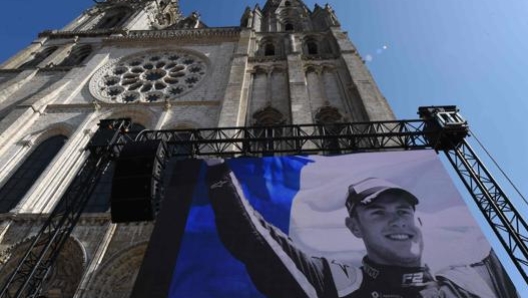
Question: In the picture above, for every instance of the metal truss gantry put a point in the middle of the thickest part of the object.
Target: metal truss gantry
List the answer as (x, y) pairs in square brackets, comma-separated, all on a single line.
[(507, 223), (441, 128), (446, 131), (27, 278)]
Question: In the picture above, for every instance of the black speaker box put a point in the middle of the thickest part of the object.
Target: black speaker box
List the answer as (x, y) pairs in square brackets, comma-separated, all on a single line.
[(137, 185)]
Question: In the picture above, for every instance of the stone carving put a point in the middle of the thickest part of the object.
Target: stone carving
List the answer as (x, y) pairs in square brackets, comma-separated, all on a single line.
[(319, 57), (268, 116), (328, 115), (64, 275), (190, 22), (163, 17), (333, 18), (263, 59), (205, 33), (115, 278), (149, 77)]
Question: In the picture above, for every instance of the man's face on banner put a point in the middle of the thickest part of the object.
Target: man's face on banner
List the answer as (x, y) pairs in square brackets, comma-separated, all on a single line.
[(388, 229)]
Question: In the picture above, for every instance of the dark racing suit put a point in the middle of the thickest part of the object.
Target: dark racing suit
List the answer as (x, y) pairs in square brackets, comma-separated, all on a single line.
[(278, 269)]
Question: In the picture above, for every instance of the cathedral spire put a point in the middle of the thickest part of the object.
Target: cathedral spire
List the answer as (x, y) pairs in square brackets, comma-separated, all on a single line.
[(289, 15), (274, 4)]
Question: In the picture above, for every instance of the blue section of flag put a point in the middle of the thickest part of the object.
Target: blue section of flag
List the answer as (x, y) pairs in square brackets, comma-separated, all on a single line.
[(204, 267)]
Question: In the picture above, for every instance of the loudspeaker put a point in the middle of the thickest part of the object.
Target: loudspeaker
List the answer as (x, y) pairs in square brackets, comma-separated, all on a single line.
[(104, 135), (137, 183)]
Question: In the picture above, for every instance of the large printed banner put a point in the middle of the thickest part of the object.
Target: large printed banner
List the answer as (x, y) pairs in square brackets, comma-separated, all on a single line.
[(363, 225)]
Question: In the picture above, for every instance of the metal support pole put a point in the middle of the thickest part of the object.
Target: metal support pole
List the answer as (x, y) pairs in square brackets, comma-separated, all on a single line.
[(26, 280), (504, 219)]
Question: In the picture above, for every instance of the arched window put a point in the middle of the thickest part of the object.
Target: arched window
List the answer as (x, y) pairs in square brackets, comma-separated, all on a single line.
[(39, 57), (287, 3), (24, 177), (268, 117), (112, 19), (330, 121), (77, 55), (265, 124), (312, 48), (269, 49), (288, 27), (63, 276), (99, 201)]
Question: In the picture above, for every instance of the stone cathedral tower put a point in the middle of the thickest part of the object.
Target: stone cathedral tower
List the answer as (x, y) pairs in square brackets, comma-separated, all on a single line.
[(284, 64)]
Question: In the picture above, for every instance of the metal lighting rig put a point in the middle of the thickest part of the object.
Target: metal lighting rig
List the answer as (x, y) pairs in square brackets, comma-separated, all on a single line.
[(440, 128)]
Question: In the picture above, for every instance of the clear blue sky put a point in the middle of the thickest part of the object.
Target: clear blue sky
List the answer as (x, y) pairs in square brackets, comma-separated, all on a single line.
[(470, 53)]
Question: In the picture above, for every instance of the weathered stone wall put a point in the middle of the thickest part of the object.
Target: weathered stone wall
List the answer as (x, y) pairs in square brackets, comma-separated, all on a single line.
[(241, 80)]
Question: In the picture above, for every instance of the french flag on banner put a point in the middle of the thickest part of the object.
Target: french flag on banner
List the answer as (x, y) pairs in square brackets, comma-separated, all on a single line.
[(205, 268), (295, 209)]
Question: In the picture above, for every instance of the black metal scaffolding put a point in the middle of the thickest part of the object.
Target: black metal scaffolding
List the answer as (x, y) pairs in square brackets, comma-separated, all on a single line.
[(441, 128), (339, 138), (509, 226), (26, 280)]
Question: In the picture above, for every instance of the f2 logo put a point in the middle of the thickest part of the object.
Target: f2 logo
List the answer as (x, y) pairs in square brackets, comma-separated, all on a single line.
[(413, 278)]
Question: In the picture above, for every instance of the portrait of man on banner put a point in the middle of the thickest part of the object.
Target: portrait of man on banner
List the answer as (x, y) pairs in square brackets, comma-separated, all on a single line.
[(362, 225)]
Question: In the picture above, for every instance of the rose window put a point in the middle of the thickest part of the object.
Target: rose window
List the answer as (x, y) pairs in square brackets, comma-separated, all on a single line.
[(149, 77)]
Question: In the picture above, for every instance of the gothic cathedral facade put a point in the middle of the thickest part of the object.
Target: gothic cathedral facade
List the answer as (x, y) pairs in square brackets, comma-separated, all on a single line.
[(285, 63)]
